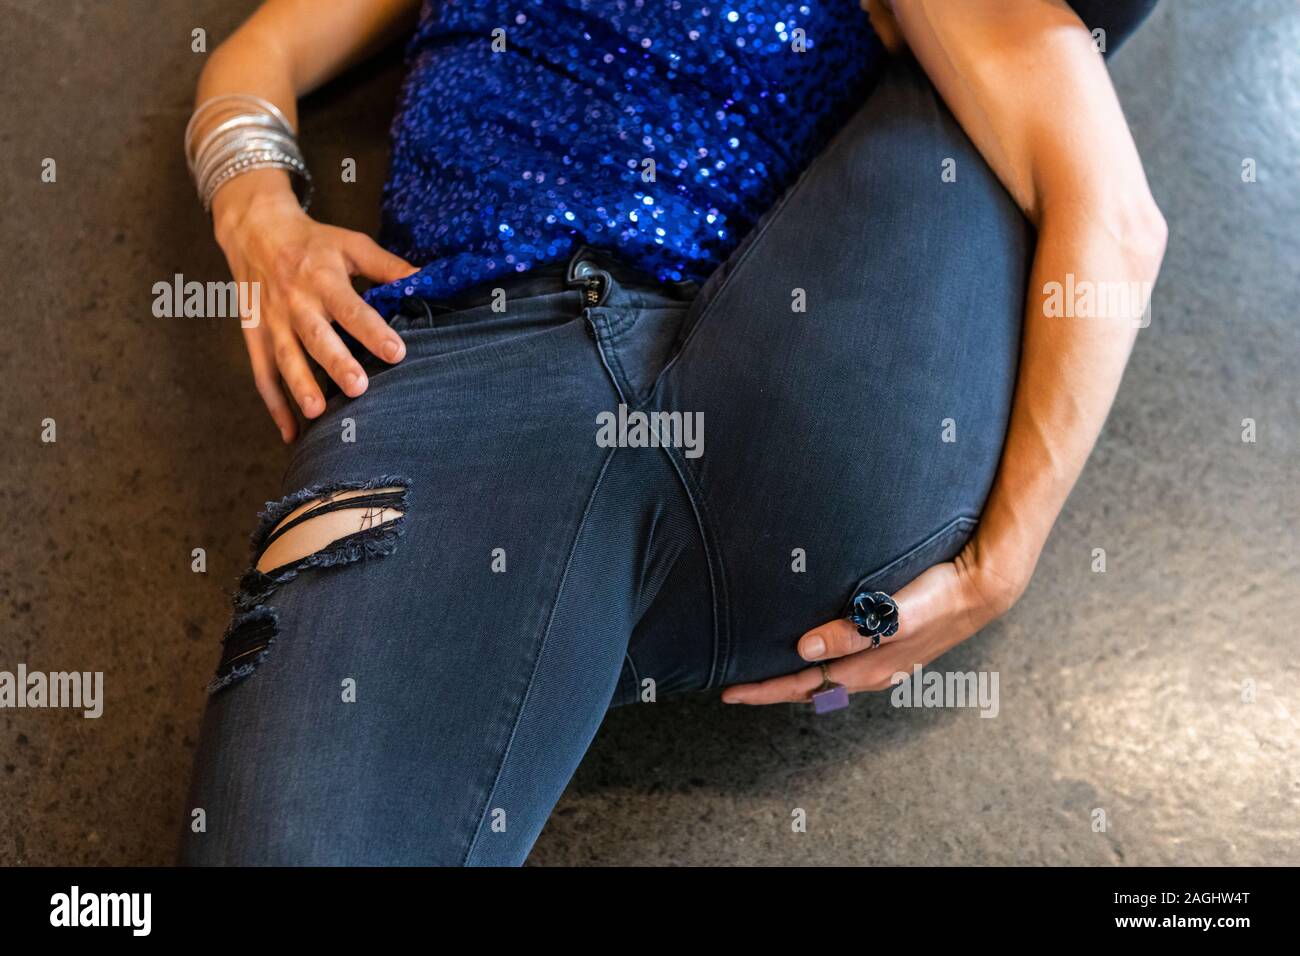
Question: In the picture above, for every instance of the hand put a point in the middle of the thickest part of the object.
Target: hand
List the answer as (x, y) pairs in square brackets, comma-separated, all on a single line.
[(304, 269), (938, 610)]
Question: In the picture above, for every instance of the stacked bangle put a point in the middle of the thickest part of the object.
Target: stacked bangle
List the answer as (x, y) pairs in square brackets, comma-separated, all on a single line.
[(241, 133)]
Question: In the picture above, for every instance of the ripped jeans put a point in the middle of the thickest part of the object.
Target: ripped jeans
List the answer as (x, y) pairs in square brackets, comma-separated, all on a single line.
[(590, 489)]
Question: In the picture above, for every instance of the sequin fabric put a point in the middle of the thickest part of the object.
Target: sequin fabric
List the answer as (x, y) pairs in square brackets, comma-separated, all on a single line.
[(660, 130)]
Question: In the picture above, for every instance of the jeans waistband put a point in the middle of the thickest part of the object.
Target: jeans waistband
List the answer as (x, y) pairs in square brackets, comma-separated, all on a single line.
[(624, 286)]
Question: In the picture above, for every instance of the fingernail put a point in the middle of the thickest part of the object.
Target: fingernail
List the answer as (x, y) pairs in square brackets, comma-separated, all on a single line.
[(733, 699), (307, 402), (284, 435), (394, 350), (356, 381), (813, 648)]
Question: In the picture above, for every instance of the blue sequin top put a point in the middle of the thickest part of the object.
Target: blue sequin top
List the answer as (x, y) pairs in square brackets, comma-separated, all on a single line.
[(660, 130)]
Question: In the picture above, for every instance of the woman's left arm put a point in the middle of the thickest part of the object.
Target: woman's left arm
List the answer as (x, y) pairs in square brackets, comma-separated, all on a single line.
[(1024, 81)]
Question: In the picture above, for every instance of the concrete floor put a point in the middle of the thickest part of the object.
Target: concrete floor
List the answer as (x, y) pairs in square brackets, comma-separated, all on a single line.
[(1120, 691)]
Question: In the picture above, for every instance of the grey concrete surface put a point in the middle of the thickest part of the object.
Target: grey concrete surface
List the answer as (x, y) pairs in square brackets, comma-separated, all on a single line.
[(1163, 692)]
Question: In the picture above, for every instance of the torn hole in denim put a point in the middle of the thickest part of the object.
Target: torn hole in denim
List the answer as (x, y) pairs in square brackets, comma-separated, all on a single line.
[(368, 518), (245, 645)]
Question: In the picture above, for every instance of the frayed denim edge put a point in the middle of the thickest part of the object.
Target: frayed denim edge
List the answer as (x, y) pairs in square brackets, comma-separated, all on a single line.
[(255, 587)]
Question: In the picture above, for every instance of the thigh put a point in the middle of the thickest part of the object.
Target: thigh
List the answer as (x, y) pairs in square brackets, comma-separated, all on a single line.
[(420, 691), (855, 363)]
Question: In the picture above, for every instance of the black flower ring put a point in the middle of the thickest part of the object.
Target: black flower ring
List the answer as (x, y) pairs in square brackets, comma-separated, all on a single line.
[(875, 614)]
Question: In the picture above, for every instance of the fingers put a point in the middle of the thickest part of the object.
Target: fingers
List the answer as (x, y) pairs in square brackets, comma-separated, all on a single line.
[(296, 373), (325, 346), (916, 602), (866, 670), (373, 261), (834, 639), (350, 311), (306, 267), (791, 688), (267, 380), (842, 638), (933, 617)]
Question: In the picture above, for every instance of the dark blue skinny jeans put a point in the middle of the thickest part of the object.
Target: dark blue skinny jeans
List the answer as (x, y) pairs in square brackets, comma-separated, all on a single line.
[(422, 691)]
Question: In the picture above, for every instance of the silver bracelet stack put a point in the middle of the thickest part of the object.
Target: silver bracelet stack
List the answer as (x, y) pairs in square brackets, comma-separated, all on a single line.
[(241, 133)]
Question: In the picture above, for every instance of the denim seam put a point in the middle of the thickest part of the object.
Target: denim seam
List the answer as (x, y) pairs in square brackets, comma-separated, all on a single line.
[(636, 678), (625, 388), (537, 659), (944, 531), (606, 359), (623, 319), (750, 243), (617, 322), (713, 556), (717, 573)]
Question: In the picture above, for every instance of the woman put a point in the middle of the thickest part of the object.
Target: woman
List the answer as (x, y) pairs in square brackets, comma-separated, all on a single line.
[(754, 224)]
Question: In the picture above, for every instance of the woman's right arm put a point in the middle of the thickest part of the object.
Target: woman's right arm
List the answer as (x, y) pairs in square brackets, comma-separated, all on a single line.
[(283, 51)]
